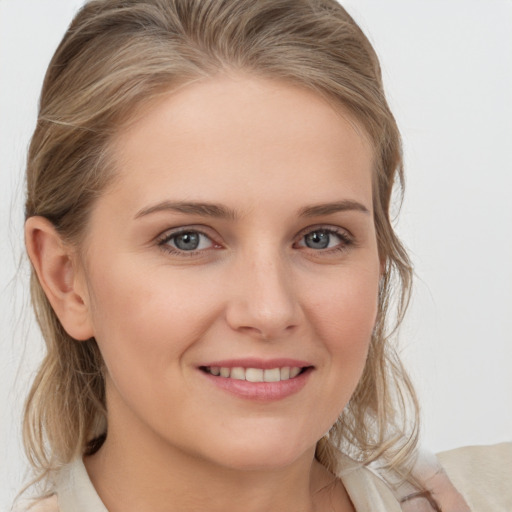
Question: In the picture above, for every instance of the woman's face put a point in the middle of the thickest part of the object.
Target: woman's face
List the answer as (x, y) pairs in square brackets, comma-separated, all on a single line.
[(237, 243)]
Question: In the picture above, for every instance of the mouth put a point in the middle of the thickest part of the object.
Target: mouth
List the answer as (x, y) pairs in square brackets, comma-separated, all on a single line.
[(249, 374), (257, 379)]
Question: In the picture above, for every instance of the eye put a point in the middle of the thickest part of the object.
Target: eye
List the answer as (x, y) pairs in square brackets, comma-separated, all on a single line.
[(186, 241), (321, 239)]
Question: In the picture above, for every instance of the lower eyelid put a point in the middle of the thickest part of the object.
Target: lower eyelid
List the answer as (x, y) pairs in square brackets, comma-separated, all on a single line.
[(345, 238), (163, 240), (164, 243)]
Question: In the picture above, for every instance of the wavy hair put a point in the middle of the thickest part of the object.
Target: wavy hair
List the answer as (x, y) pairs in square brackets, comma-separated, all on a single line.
[(117, 56)]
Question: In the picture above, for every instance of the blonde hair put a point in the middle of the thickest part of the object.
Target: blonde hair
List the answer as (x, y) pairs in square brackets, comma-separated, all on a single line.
[(115, 57)]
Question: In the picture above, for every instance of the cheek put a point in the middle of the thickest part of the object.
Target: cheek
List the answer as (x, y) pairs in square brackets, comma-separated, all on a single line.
[(144, 328), (344, 321), (346, 309), (145, 322)]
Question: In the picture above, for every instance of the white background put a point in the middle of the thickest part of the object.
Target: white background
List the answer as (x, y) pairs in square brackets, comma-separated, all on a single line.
[(447, 67)]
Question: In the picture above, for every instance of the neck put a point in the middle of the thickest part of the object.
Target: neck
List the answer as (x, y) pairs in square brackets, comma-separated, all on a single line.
[(129, 481), (136, 469)]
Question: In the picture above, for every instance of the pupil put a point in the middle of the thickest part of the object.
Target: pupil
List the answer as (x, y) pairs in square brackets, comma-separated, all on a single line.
[(187, 241), (317, 240)]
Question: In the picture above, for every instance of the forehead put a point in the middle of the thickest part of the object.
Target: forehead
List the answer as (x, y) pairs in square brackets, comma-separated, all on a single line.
[(238, 134)]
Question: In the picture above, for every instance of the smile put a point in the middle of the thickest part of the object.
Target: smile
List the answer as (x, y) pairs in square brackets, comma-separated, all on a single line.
[(263, 380), (255, 374)]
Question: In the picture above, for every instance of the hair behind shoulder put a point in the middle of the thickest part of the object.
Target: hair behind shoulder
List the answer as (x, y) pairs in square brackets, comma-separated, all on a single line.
[(117, 56)]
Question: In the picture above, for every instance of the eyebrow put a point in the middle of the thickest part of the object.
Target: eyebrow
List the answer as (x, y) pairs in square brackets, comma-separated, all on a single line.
[(222, 212), (329, 208), (201, 209)]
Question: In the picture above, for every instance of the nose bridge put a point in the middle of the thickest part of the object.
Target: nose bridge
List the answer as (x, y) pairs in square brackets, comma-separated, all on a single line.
[(264, 301)]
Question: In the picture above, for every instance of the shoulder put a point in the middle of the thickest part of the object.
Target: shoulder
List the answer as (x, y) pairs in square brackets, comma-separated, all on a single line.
[(48, 504), (483, 474)]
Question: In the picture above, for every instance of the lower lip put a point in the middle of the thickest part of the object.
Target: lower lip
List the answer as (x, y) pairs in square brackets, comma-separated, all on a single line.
[(261, 391)]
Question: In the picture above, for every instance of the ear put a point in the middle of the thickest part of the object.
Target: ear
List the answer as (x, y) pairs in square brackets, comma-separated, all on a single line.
[(56, 270)]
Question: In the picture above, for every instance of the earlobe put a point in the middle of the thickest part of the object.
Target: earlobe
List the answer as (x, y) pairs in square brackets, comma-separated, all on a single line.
[(53, 263)]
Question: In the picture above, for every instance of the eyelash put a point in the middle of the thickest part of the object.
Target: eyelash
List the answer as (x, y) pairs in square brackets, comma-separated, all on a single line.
[(163, 242), (346, 240)]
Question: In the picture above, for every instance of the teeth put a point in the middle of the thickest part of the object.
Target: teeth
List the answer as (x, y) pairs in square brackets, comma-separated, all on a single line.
[(285, 373), (255, 374), (273, 375), (294, 372), (237, 373)]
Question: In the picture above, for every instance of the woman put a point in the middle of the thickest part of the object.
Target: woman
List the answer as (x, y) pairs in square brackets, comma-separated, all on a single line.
[(207, 218)]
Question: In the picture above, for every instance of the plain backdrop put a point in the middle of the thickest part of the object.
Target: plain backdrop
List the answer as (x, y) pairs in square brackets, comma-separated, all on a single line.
[(447, 67)]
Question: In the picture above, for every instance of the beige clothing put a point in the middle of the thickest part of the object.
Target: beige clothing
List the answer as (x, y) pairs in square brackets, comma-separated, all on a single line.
[(76, 493), (482, 474)]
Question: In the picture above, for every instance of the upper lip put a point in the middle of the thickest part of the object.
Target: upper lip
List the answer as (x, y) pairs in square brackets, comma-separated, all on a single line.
[(264, 364)]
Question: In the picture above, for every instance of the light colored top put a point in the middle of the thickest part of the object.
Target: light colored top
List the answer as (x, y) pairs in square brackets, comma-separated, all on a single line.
[(482, 474), (75, 492)]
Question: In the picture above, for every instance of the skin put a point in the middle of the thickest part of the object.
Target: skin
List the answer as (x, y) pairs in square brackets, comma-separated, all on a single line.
[(266, 151)]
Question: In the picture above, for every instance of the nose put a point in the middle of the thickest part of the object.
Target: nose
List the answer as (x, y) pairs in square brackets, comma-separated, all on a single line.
[(263, 301)]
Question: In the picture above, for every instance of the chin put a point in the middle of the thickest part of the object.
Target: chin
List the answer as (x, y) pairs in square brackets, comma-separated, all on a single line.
[(259, 454)]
